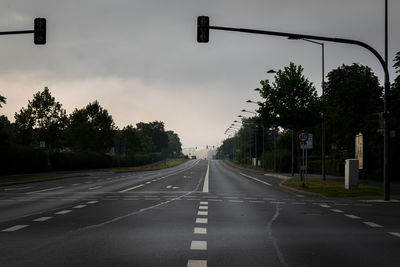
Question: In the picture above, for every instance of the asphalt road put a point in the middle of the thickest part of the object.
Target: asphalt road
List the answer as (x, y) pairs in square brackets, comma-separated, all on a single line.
[(198, 214)]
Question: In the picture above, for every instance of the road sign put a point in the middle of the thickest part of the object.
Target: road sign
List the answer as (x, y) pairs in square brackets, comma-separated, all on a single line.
[(308, 144), (303, 136)]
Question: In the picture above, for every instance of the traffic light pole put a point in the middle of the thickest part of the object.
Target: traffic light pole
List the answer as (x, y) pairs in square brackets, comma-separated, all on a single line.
[(16, 32), (39, 31), (386, 112)]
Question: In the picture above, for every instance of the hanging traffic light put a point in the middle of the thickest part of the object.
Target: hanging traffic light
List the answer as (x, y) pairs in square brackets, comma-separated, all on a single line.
[(39, 37), (202, 29)]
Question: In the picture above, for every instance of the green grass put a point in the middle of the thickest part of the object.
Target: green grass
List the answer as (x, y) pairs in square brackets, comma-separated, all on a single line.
[(335, 189), (162, 165), (32, 178)]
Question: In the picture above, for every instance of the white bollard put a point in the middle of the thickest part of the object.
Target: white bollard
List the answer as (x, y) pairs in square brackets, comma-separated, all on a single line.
[(351, 174)]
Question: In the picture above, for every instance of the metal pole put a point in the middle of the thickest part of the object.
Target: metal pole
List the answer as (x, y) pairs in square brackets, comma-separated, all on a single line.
[(255, 143), (323, 114), (275, 149), (263, 158), (386, 166), (292, 152)]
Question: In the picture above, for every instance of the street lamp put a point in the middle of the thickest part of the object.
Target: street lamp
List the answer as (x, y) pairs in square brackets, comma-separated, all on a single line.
[(263, 134)]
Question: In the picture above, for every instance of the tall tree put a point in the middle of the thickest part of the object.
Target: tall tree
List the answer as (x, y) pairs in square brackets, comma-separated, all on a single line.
[(174, 143), (44, 119), (91, 129), (156, 131), (136, 142)]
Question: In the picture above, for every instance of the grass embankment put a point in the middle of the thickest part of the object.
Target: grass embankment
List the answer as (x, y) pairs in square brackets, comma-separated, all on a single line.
[(24, 179), (335, 189), (161, 165)]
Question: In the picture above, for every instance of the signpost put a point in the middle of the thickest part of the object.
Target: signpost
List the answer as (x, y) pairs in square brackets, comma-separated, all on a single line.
[(306, 142), (360, 154)]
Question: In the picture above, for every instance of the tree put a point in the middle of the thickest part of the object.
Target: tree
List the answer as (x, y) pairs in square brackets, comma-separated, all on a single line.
[(174, 143), (291, 102), (2, 100), (91, 129), (44, 119), (136, 142), (156, 131)]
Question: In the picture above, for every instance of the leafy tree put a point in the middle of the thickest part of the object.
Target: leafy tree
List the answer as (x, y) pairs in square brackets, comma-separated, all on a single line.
[(136, 142), (174, 143), (156, 131), (44, 119), (291, 102), (2, 100), (91, 129)]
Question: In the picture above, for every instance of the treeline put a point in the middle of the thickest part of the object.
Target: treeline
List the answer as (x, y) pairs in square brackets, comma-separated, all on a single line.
[(352, 104), (43, 137)]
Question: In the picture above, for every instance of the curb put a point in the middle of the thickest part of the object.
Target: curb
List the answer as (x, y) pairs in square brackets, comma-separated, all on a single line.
[(287, 188), (43, 180)]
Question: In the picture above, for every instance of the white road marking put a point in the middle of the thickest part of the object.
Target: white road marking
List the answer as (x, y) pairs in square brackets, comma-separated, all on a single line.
[(14, 228), (372, 224), (336, 210), (351, 216), (131, 188), (154, 180), (214, 199), (175, 187), (148, 183), (299, 196), (42, 219), (79, 206), (202, 212), (75, 184), (17, 188), (200, 230), (206, 178), (203, 202), (394, 233), (196, 199), (92, 202), (201, 220), (63, 212), (96, 187), (45, 190), (256, 201), (198, 245), (203, 208), (169, 186), (277, 202), (324, 206), (258, 180), (298, 203), (197, 263), (234, 200)]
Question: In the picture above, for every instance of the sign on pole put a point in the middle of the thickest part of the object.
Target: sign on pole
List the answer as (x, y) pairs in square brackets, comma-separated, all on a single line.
[(360, 150), (302, 136), (308, 144)]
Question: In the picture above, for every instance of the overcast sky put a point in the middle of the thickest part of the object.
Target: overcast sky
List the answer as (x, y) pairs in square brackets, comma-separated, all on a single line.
[(141, 61)]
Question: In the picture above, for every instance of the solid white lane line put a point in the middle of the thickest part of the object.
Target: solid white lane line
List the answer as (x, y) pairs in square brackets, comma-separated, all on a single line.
[(202, 212), (197, 263), (17, 188), (205, 185), (198, 245), (394, 233), (203, 208), (336, 210), (92, 202), (42, 219), (45, 190), (258, 180), (131, 188), (201, 220), (203, 202), (63, 212), (372, 224), (14, 228), (234, 200), (200, 230), (79, 206), (351, 216), (96, 187)]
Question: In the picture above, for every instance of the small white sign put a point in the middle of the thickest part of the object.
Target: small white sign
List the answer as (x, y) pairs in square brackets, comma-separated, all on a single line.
[(308, 144), (42, 144)]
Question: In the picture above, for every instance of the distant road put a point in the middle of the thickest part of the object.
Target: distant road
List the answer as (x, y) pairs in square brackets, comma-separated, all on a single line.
[(197, 214)]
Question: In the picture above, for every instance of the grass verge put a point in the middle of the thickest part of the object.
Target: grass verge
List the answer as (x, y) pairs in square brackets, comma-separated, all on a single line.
[(336, 189), (22, 179), (162, 165)]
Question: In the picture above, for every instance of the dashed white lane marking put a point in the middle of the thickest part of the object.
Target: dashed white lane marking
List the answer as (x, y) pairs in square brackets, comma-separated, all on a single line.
[(131, 188), (324, 206), (336, 210), (168, 186), (75, 184), (201, 220), (299, 196), (206, 178), (394, 233), (175, 187), (203, 208), (198, 245), (258, 180), (197, 263), (92, 202), (63, 212), (154, 180), (96, 187), (45, 190), (202, 212), (148, 183), (200, 230), (351, 216), (256, 201), (203, 202), (17, 188), (372, 224), (79, 206), (14, 228), (42, 219)]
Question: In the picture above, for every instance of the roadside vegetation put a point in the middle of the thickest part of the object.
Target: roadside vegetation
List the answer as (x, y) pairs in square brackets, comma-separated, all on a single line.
[(159, 166)]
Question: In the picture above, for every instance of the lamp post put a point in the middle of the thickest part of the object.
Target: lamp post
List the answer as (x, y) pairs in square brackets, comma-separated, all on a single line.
[(263, 133), (255, 134)]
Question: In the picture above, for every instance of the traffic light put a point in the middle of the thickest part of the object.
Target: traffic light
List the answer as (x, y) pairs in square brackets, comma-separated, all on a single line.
[(39, 37), (202, 29)]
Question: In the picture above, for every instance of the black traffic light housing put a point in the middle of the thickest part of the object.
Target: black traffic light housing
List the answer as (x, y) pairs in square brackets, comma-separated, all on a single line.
[(39, 37), (203, 22)]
